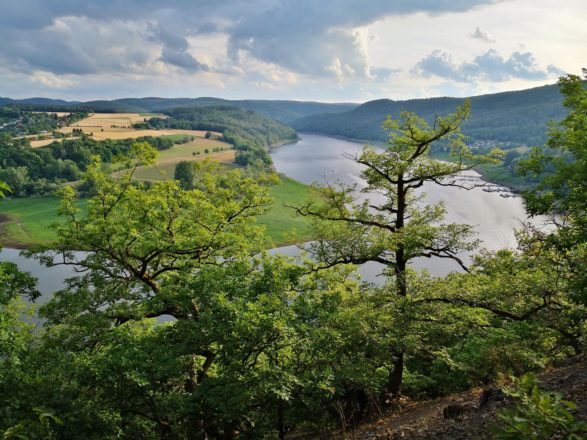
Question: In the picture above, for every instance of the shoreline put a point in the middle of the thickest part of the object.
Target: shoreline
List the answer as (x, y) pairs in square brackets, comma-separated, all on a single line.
[(381, 144)]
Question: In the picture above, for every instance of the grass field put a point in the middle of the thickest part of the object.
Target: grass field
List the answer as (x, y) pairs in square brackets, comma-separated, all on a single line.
[(190, 151), (27, 222), (281, 223)]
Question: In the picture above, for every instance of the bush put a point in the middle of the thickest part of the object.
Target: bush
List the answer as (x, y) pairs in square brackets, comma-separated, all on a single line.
[(538, 414)]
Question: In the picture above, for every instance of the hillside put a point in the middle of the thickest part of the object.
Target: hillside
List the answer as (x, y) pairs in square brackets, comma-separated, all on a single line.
[(430, 419), (283, 111), (518, 117)]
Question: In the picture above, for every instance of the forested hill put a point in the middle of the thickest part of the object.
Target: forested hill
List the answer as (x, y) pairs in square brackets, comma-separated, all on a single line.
[(239, 126), (518, 117), (283, 111)]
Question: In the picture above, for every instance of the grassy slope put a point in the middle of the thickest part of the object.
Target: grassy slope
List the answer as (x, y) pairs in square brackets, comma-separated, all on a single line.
[(26, 222), (283, 226)]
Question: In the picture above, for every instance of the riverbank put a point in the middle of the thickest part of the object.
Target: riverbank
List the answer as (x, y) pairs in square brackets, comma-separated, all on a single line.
[(495, 174)]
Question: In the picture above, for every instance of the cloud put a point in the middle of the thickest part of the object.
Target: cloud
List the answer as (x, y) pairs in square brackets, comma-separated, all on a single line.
[(480, 34), (490, 66), (175, 51), (85, 37), (553, 70), (50, 80), (382, 74), (326, 37)]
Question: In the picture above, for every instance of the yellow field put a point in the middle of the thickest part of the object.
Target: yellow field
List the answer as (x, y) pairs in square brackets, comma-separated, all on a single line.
[(102, 126), (59, 114), (44, 142)]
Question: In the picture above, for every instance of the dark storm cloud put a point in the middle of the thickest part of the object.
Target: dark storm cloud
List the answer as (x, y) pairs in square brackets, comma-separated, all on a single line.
[(490, 66), (112, 36), (175, 52)]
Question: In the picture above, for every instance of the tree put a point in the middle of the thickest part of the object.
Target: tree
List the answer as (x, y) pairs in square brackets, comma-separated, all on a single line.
[(562, 189), (185, 173), (396, 228)]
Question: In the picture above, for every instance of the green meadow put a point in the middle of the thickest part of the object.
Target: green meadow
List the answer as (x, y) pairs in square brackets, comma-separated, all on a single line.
[(27, 222)]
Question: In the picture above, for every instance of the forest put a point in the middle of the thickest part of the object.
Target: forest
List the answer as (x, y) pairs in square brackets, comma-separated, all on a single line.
[(40, 171), (179, 325), (250, 133)]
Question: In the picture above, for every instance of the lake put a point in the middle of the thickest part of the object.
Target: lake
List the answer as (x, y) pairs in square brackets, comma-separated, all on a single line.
[(323, 159)]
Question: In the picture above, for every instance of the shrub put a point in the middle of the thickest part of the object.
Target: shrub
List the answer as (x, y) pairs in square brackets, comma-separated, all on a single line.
[(538, 414)]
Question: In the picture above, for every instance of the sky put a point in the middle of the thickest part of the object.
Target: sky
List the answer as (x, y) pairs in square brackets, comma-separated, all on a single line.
[(319, 50)]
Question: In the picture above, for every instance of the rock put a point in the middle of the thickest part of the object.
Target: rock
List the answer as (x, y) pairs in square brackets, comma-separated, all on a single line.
[(455, 410), (491, 396)]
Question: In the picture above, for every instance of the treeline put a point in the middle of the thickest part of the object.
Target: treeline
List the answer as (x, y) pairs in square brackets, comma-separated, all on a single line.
[(41, 171), (17, 121), (250, 133), (283, 111), (512, 118)]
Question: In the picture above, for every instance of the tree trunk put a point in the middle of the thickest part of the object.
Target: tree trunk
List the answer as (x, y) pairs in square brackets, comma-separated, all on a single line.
[(396, 376), (280, 422)]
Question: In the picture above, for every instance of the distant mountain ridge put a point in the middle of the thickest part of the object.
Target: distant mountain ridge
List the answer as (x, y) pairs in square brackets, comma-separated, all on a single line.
[(282, 111), (514, 117), (518, 117)]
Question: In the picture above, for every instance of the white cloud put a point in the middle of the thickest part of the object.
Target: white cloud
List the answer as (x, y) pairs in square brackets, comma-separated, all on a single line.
[(480, 34), (489, 66), (50, 80)]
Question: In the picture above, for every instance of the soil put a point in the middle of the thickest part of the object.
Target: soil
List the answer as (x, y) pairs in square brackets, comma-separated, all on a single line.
[(419, 420)]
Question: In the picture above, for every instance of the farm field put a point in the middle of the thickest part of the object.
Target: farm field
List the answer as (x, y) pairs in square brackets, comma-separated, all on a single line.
[(27, 222), (116, 126), (165, 169), (102, 126), (44, 142), (191, 151)]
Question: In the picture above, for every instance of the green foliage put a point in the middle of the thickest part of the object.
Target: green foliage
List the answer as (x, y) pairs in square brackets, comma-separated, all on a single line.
[(564, 175), (40, 171), (562, 189), (513, 117), (185, 173), (538, 414), (352, 229), (4, 188), (17, 121), (239, 127)]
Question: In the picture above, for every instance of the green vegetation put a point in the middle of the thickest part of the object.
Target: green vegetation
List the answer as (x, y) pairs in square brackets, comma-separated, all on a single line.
[(507, 119), (27, 222), (510, 121), (282, 224), (250, 133), (354, 231), (264, 346), (538, 414), (283, 111), (15, 121), (41, 171)]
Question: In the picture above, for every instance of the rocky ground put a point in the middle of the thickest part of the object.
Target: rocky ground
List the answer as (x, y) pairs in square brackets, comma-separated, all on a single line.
[(468, 415)]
